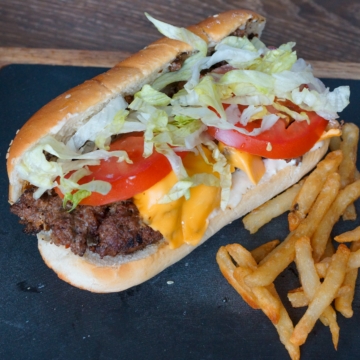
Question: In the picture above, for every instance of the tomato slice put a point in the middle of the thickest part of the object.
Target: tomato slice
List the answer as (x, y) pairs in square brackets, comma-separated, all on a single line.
[(286, 141), (126, 179)]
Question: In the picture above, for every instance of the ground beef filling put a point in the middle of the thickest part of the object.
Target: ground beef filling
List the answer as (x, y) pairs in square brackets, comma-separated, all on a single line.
[(107, 230)]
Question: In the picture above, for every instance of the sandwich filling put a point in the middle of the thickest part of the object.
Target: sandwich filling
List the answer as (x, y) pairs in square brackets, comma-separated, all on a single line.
[(159, 163)]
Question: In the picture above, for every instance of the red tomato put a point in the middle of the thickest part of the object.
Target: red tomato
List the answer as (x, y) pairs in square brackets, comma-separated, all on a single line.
[(126, 179), (287, 142)]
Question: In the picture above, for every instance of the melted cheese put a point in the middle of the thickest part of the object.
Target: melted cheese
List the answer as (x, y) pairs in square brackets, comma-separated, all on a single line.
[(181, 221), (252, 165)]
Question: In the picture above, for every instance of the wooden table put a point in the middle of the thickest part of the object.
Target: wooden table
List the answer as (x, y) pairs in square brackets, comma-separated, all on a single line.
[(100, 33)]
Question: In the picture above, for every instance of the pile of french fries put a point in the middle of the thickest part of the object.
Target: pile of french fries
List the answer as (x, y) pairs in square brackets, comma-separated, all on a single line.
[(327, 273)]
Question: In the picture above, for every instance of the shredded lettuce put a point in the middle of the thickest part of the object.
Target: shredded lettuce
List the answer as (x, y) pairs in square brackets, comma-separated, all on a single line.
[(326, 104), (208, 95), (174, 160), (97, 123), (152, 96), (75, 198), (276, 60), (182, 34), (103, 137)]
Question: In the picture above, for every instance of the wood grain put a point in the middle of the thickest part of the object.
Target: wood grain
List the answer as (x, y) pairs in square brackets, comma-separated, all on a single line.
[(326, 30)]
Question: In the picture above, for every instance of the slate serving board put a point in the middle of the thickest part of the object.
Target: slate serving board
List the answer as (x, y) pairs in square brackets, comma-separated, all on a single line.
[(198, 316)]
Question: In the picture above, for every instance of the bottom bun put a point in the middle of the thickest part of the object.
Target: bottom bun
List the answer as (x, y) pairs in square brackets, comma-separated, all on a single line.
[(122, 272)]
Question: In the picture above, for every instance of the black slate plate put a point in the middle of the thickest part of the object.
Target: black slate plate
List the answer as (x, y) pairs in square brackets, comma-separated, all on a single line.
[(199, 316)]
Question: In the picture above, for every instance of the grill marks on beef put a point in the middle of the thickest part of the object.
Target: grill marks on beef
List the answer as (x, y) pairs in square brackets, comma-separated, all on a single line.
[(107, 230)]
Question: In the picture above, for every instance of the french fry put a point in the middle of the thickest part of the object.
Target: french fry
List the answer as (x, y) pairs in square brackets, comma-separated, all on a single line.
[(310, 282), (285, 328), (312, 187), (271, 209), (335, 143), (227, 268), (322, 267), (265, 297), (324, 295), (266, 302), (343, 303), (263, 250), (346, 196), (354, 258), (245, 265), (353, 263), (298, 298), (329, 249), (350, 213), (357, 174), (353, 235), (306, 268), (241, 256), (347, 167), (274, 263)]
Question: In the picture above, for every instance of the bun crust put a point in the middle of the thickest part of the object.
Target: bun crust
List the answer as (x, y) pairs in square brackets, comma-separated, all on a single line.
[(97, 275), (68, 111), (62, 116)]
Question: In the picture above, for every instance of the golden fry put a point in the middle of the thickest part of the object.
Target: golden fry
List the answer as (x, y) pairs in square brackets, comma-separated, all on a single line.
[(298, 298), (353, 235), (357, 175), (263, 250), (285, 328), (346, 196), (322, 267), (350, 213), (241, 256), (324, 295), (347, 168), (312, 187), (349, 145), (310, 282), (329, 250), (335, 143), (266, 302), (309, 278), (344, 303), (227, 268), (264, 297), (271, 209)]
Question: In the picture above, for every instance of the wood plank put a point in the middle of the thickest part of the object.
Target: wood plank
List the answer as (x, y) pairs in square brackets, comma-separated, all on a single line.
[(322, 29), (323, 69), (16, 55), (336, 70)]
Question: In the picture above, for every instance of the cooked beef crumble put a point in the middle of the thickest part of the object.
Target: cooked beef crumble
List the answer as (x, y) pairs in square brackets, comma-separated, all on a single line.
[(107, 230)]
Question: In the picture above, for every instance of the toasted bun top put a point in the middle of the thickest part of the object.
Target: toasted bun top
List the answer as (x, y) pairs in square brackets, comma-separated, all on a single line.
[(63, 115)]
